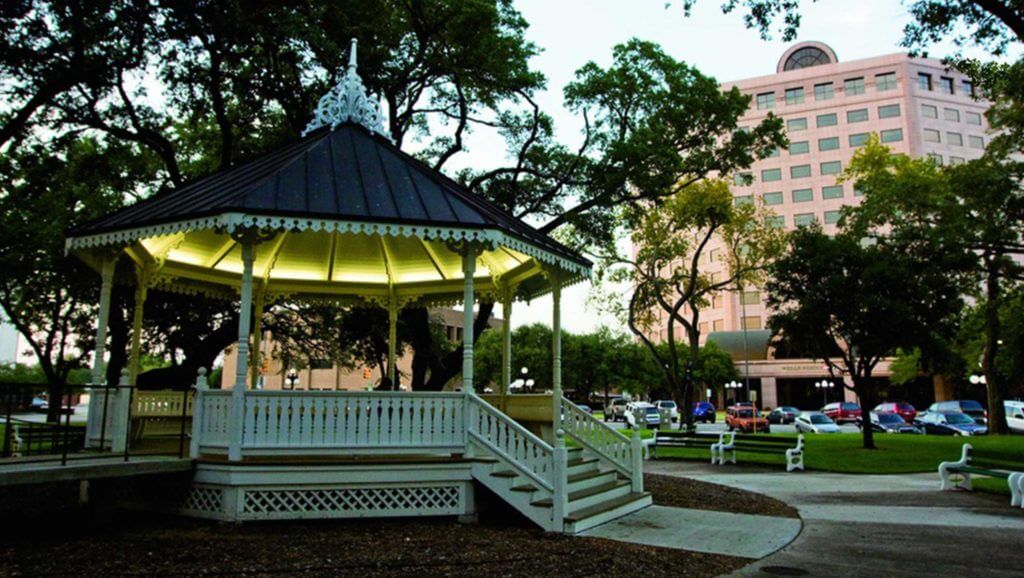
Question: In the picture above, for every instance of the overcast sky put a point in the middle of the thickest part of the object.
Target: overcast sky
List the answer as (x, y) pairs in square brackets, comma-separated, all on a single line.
[(572, 32)]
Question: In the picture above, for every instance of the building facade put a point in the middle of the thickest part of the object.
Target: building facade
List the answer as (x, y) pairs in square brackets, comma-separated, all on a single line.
[(916, 106)]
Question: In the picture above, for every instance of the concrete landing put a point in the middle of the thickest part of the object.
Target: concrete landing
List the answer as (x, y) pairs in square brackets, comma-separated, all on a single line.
[(35, 471), (742, 535)]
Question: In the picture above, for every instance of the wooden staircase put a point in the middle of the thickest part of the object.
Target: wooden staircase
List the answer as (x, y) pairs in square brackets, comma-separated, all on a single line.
[(596, 495)]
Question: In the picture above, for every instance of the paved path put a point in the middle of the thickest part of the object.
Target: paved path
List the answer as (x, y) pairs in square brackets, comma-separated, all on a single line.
[(885, 525), (702, 531)]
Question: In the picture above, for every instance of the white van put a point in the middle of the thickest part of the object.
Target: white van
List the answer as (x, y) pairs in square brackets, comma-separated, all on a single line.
[(1014, 415)]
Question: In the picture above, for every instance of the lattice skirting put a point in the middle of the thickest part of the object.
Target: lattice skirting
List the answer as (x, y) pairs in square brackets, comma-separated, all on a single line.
[(443, 499), (175, 496)]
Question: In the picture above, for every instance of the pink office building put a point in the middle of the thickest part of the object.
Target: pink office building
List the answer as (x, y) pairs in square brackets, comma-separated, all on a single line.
[(916, 105)]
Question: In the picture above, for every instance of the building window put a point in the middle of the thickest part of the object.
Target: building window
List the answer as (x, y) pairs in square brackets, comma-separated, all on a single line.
[(924, 81), (956, 160), (857, 192), (951, 114), (806, 57), (976, 142), (889, 111), (714, 255), (794, 96), (774, 198), (703, 327), (743, 200), (935, 158), (929, 111), (973, 118), (751, 298), (827, 120), (824, 91), (946, 85), (800, 171), (752, 322), (716, 302), (853, 86), (718, 325), (765, 101), (775, 221), (886, 81), (828, 144), (832, 217), (968, 87), (859, 115), (804, 220), (894, 135), (803, 195), (773, 154), (796, 124), (770, 175), (859, 139), (831, 168), (832, 192), (799, 148), (742, 179), (931, 135), (954, 139)]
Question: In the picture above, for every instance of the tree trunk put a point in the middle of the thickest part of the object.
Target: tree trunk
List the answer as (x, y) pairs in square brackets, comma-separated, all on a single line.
[(686, 408), (202, 354), (996, 419), (451, 365), (864, 387)]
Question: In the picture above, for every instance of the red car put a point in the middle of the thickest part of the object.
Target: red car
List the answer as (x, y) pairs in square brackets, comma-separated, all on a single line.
[(901, 408), (842, 411)]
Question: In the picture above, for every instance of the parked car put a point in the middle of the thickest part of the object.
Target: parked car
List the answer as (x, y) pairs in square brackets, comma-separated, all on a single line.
[(585, 407), (746, 419), (901, 408), (950, 423), (783, 414), (841, 411), (891, 422), (1014, 415), (640, 414), (703, 412), (815, 422), (668, 408), (967, 406), (615, 410)]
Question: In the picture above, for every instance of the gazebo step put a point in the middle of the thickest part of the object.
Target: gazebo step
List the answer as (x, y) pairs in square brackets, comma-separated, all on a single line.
[(586, 518), (590, 496)]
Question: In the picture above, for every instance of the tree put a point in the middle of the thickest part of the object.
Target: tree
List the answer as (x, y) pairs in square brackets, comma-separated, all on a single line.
[(851, 304), (671, 241), (967, 218), (48, 297), (992, 24)]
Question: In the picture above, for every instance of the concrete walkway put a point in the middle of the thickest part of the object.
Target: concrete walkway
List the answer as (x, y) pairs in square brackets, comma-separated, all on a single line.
[(702, 531), (884, 525)]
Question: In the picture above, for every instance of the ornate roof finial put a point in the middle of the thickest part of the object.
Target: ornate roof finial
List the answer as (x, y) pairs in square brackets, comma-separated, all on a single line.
[(348, 102)]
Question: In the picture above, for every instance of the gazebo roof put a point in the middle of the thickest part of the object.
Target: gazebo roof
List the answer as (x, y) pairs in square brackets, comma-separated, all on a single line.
[(342, 212)]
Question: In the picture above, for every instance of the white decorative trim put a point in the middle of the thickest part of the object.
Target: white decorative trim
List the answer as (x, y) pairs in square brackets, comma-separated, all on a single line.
[(230, 222), (348, 102)]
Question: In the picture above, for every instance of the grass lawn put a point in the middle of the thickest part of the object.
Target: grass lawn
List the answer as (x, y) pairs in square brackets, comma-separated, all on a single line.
[(896, 454)]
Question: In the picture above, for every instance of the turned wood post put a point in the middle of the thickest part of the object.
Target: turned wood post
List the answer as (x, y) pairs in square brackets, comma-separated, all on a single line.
[(197, 413), (236, 425)]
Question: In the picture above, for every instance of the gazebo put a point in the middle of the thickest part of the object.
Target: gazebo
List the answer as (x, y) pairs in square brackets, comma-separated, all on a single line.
[(343, 215)]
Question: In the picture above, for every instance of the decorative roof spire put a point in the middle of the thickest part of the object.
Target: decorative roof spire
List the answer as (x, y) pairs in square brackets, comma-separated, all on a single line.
[(348, 102)]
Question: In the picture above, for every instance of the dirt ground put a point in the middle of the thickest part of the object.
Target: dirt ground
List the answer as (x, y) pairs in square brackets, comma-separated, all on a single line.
[(52, 537)]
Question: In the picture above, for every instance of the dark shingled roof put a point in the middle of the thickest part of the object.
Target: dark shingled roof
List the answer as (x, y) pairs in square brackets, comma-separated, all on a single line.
[(345, 174)]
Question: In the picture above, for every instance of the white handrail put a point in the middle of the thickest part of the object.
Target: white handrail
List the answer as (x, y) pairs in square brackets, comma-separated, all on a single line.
[(597, 437), (512, 443)]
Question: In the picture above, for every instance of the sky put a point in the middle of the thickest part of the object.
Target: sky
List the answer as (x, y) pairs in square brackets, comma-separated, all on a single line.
[(573, 32)]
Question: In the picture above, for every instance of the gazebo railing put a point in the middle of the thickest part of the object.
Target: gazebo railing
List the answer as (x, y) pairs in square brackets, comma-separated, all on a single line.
[(513, 444), (335, 422), (623, 453)]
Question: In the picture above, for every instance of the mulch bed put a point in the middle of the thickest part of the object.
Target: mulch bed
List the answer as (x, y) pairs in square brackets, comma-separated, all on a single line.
[(686, 493), (54, 538)]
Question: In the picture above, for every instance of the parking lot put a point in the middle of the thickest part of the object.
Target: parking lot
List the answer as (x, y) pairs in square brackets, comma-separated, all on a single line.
[(719, 426)]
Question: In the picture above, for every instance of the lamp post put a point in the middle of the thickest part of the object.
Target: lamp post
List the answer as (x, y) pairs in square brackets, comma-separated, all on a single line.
[(977, 379), (293, 376), (824, 385), (734, 386)]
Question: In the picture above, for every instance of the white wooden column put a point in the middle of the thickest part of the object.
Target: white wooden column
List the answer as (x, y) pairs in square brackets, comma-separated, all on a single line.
[(556, 352), (106, 286), (393, 343), (468, 298), (238, 390), (257, 332), (141, 290), (506, 348)]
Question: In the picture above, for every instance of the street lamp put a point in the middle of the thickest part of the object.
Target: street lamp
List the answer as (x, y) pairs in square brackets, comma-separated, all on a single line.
[(977, 379), (734, 385), (529, 384), (824, 385), (293, 376)]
